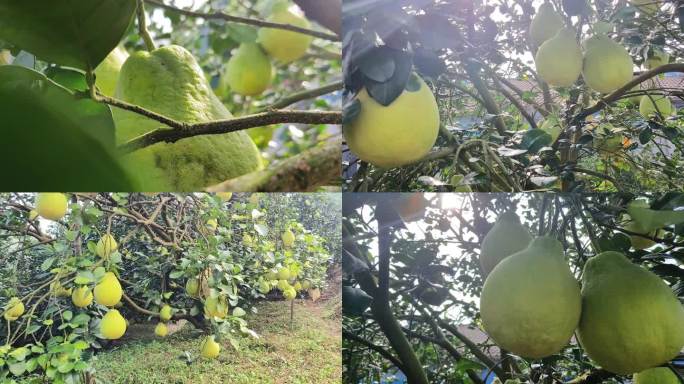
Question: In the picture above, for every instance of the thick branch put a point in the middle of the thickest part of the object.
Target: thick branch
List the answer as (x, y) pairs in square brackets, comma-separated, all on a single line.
[(245, 20), (303, 172)]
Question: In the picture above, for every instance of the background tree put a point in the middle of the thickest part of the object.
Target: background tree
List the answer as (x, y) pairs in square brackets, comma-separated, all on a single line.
[(425, 280)]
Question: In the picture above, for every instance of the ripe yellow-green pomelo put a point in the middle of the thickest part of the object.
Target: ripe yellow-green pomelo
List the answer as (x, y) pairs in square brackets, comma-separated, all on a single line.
[(659, 375), (210, 348), (410, 206), (112, 325), (161, 330), (106, 246), (530, 302), (264, 287), (297, 286), (212, 224), (271, 275), (248, 71), (631, 320), (559, 59), (655, 105), (165, 313), (51, 205), (169, 81), (108, 292), (284, 273), (225, 196), (82, 296), (288, 238), (552, 126), (290, 293), (282, 45), (192, 287), (14, 309), (658, 58), (398, 134), (506, 237), (283, 285), (107, 72), (545, 24), (216, 307), (607, 64)]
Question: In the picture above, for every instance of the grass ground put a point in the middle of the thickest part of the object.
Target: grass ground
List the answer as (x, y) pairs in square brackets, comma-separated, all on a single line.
[(307, 352)]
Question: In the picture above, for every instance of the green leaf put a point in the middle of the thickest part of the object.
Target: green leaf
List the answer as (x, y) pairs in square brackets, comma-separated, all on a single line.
[(239, 312), (68, 315), (71, 235), (52, 140), (20, 353), (18, 369), (75, 33), (47, 263)]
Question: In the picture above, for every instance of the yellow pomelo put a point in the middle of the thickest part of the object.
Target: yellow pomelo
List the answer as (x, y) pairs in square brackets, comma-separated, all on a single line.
[(264, 287), (297, 286), (59, 290), (285, 46), (108, 292), (112, 325), (559, 59), (545, 24), (210, 348), (216, 307), (658, 58), (14, 309), (107, 72), (530, 302), (290, 293), (161, 330), (631, 320), (283, 285), (506, 237), (248, 71), (284, 273), (607, 64), (82, 296), (288, 238), (660, 375), (398, 134), (106, 246), (225, 196), (165, 313), (655, 105), (51, 205), (192, 287)]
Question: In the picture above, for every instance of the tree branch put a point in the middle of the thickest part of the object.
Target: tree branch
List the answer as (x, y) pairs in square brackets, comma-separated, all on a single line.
[(303, 172), (380, 350), (245, 20), (303, 95)]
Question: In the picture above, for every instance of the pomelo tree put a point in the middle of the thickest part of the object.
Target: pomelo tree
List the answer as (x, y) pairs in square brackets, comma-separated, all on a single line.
[(531, 95), (152, 95), (421, 305), (71, 285)]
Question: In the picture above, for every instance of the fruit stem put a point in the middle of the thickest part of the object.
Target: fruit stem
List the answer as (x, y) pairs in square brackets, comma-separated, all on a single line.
[(142, 27)]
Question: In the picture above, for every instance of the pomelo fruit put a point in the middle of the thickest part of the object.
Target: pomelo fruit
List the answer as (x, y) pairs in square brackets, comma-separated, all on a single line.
[(14, 309), (559, 59), (106, 246), (161, 330), (210, 348), (51, 205), (288, 238), (545, 24), (398, 134), (107, 72), (506, 237), (248, 71), (607, 64), (108, 292), (165, 313), (285, 46), (112, 325), (82, 296), (659, 375), (631, 320)]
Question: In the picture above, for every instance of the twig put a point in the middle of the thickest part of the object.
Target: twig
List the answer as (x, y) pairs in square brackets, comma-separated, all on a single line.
[(299, 96), (303, 172), (245, 20)]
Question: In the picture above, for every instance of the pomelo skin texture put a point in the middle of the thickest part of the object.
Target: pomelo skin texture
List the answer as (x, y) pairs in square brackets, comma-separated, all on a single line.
[(249, 70), (170, 82), (107, 72), (559, 59), (545, 24), (285, 46), (51, 205), (660, 375), (396, 135), (530, 302), (631, 320), (607, 64), (506, 237)]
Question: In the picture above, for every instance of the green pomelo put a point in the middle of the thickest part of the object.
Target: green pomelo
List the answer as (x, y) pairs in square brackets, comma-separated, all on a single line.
[(506, 237), (170, 82), (655, 105), (285, 46), (248, 71), (559, 59), (631, 320), (660, 375), (107, 73), (530, 302), (398, 134), (545, 24), (607, 64)]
